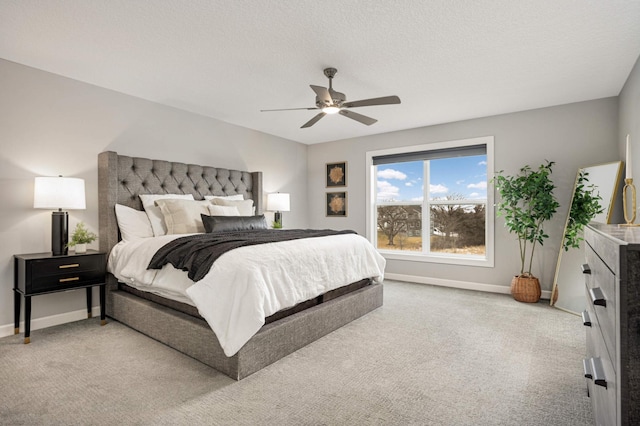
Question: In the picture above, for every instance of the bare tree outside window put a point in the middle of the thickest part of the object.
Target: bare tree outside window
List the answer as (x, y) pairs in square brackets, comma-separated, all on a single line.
[(456, 221)]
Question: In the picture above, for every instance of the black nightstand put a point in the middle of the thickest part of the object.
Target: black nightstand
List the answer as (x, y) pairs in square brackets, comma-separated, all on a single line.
[(42, 273)]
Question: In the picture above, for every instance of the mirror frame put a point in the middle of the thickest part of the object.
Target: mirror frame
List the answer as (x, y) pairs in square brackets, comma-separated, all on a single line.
[(609, 213)]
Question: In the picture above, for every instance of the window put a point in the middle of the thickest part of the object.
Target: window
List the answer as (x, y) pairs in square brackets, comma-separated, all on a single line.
[(447, 180)]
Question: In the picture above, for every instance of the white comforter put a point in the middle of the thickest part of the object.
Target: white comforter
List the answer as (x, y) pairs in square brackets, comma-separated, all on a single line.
[(248, 284)]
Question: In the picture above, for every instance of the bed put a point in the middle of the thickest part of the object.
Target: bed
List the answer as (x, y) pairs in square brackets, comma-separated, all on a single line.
[(121, 180)]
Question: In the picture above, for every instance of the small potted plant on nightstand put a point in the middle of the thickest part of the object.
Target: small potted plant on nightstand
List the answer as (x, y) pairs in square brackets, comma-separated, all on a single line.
[(81, 237)]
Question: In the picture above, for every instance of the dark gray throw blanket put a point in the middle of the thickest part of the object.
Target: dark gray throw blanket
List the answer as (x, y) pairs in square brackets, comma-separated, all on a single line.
[(196, 253)]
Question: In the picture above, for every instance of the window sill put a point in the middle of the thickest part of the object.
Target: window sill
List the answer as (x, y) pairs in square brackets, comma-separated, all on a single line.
[(478, 261)]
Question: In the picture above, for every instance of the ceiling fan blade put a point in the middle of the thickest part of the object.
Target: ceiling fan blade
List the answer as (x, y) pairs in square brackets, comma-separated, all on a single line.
[(386, 100), (358, 117), (287, 109), (322, 93), (313, 121)]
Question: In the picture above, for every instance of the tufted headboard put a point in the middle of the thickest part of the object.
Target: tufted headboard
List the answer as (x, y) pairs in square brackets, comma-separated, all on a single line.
[(121, 179)]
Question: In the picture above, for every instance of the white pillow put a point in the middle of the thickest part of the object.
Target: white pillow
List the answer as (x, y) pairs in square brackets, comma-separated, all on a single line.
[(245, 207), (183, 216), (133, 223), (223, 210), (236, 197), (154, 213)]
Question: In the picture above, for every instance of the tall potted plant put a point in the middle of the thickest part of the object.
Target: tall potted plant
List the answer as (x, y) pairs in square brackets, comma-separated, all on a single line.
[(527, 201)]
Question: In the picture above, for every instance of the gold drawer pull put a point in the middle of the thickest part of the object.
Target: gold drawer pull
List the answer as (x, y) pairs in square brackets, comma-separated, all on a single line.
[(64, 280), (71, 265)]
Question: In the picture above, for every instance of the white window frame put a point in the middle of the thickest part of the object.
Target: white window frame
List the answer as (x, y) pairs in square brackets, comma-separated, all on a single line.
[(371, 223)]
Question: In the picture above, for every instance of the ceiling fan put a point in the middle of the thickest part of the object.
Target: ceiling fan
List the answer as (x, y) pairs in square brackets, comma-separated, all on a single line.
[(328, 101)]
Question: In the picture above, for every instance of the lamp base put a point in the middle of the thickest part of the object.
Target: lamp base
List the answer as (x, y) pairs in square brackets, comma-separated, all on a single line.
[(59, 233), (277, 218)]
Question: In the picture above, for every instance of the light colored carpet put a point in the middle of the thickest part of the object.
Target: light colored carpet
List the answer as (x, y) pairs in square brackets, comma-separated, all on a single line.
[(429, 356)]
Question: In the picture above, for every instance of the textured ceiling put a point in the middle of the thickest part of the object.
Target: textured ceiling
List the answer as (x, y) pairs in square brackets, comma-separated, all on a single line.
[(448, 60)]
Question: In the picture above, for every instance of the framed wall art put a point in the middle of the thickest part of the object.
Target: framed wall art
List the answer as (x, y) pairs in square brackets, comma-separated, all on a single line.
[(336, 204), (336, 174)]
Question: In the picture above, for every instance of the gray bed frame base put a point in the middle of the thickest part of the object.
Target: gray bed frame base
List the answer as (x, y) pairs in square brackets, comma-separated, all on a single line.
[(120, 180)]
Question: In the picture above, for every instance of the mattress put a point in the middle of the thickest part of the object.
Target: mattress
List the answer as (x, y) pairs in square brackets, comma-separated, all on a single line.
[(190, 309)]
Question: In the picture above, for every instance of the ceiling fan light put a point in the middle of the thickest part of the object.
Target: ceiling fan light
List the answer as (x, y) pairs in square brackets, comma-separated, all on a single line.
[(331, 109)]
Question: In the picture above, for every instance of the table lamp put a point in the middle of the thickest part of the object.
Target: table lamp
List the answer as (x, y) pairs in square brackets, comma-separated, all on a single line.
[(278, 202), (59, 193)]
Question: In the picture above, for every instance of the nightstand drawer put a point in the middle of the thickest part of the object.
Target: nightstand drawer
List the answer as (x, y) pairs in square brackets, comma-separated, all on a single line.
[(65, 266), (69, 280), (36, 274)]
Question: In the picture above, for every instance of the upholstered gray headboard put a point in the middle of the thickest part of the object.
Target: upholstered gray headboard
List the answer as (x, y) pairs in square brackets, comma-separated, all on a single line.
[(121, 179)]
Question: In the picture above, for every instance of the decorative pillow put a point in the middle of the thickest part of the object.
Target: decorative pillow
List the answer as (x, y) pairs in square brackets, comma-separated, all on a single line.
[(233, 223), (236, 197), (223, 210), (133, 223), (183, 216), (245, 207), (154, 213)]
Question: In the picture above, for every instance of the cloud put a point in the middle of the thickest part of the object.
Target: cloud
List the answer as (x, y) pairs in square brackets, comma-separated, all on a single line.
[(438, 189), (386, 191), (391, 174), (479, 185), (482, 163), (408, 184), (418, 199), (460, 182), (474, 195)]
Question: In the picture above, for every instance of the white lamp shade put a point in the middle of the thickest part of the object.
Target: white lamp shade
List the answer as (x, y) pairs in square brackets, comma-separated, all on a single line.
[(59, 193), (278, 202)]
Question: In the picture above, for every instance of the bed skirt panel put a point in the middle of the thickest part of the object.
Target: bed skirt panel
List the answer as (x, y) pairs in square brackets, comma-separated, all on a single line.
[(194, 337)]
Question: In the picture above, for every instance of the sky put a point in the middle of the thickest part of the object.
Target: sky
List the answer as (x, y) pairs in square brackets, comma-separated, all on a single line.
[(465, 176)]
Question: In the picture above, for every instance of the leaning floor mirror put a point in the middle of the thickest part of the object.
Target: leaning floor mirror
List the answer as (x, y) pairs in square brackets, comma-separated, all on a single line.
[(568, 284)]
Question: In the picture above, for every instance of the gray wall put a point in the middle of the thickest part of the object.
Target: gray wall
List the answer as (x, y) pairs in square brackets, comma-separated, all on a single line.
[(52, 125), (573, 136), (629, 122)]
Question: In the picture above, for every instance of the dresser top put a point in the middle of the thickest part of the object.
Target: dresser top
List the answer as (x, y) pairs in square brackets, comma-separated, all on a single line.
[(622, 234)]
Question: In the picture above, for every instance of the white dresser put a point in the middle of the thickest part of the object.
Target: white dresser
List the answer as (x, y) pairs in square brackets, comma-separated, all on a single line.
[(612, 320)]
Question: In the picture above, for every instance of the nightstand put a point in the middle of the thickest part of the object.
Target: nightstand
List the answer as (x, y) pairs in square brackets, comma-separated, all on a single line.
[(43, 273)]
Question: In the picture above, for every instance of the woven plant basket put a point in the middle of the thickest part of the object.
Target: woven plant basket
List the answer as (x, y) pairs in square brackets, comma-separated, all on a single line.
[(525, 288)]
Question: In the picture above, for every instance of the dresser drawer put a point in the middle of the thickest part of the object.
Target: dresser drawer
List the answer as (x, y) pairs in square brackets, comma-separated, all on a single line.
[(602, 380), (601, 298), (593, 332), (601, 383), (607, 249)]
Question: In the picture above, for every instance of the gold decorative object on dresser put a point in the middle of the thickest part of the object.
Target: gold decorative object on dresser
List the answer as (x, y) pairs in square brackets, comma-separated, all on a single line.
[(612, 318)]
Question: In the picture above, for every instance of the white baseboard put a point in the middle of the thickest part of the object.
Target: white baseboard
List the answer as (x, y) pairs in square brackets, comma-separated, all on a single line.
[(489, 288), (50, 321), (38, 323)]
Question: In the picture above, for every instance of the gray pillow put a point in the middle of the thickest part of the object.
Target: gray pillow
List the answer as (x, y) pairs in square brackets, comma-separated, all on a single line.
[(233, 223)]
